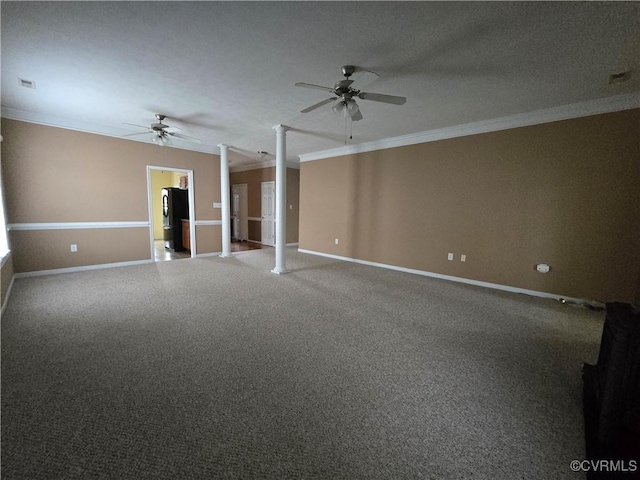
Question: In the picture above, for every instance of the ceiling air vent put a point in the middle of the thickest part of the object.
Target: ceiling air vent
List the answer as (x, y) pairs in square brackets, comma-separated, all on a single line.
[(23, 82), (619, 77)]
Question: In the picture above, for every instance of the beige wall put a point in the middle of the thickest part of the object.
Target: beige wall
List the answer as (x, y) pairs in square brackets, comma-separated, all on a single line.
[(54, 175), (49, 249), (564, 193), (254, 179), (293, 204)]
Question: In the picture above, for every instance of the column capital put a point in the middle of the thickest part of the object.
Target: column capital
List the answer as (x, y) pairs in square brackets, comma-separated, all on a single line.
[(222, 146), (281, 128)]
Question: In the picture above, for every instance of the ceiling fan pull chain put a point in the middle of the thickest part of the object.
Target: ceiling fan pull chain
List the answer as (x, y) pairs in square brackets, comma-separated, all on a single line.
[(346, 119)]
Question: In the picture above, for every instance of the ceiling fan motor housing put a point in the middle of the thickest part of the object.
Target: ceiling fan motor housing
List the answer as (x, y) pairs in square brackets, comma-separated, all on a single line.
[(343, 87), (348, 70), (158, 127)]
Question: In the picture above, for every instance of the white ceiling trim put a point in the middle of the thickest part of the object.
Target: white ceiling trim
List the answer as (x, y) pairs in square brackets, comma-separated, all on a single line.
[(256, 166), (565, 112), (90, 127)]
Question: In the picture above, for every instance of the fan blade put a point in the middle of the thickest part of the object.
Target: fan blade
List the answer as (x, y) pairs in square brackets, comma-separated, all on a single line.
[(317, 87), (317, 105), (356, 116), (363, 78), (186, 138), (172, 129), (379, 97), (146, 127), (139, 133)]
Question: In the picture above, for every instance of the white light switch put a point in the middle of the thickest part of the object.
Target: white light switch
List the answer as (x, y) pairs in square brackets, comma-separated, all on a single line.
[(463, 258), (217, 205), (74, 248), (450, 256)]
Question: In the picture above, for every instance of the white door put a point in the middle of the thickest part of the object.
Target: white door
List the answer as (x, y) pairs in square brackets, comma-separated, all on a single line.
[(239, 213), (268, 213), (235, 215)]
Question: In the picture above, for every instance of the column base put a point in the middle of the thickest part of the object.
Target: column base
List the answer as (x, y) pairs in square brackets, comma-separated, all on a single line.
[(225, 255), (280, 271)]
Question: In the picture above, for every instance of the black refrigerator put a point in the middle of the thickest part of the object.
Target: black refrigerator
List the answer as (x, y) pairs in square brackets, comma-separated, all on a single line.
[(175, 208)]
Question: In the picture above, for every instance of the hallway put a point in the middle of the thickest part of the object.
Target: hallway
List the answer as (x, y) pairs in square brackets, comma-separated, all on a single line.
[(161, 254), (244, 246)]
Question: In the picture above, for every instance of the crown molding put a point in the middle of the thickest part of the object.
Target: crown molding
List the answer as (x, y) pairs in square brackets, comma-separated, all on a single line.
[(257, 166), (565, 112), (92, 127)]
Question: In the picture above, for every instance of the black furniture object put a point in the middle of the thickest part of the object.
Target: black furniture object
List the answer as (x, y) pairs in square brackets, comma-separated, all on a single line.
[(612, 394), (175, 208)]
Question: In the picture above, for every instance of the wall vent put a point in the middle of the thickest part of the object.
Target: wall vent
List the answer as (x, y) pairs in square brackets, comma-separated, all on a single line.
[(619, 77), (23, 82)]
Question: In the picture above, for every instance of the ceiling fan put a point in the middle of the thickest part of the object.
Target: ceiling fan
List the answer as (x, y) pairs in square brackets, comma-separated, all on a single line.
[(347, 90), (161, 133)]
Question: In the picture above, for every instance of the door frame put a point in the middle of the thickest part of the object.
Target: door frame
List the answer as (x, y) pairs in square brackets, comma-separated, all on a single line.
[(192, 210)]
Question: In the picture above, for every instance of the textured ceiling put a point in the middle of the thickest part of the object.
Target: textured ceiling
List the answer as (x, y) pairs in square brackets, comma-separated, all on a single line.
[(224, 71)]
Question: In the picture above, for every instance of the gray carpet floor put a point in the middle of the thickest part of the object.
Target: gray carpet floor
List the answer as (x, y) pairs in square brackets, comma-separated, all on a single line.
[(216, 368)]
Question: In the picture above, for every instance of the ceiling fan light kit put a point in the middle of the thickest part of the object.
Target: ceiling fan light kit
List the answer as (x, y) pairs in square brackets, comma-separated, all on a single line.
[(347, 108), (161, 140)]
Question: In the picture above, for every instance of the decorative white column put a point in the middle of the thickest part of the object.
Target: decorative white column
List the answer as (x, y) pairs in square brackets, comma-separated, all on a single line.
[(225, 196), (281, 198)]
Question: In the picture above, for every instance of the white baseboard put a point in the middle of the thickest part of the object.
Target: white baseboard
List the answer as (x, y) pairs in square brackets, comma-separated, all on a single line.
[(55, 271), (495, 286), (211, 254), (6, 297), (294, 244)]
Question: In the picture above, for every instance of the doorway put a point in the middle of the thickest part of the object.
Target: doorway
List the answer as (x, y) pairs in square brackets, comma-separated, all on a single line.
[(268, 213), (239, 212), (171, 223)]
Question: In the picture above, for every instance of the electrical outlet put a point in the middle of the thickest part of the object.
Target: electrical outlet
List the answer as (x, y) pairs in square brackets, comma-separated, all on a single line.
[(463, 258), (449, 256), (74, 248), (336, 241)]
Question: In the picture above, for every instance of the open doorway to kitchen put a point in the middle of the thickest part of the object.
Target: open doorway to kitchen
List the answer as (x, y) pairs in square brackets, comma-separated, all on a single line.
[(171, 213)]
